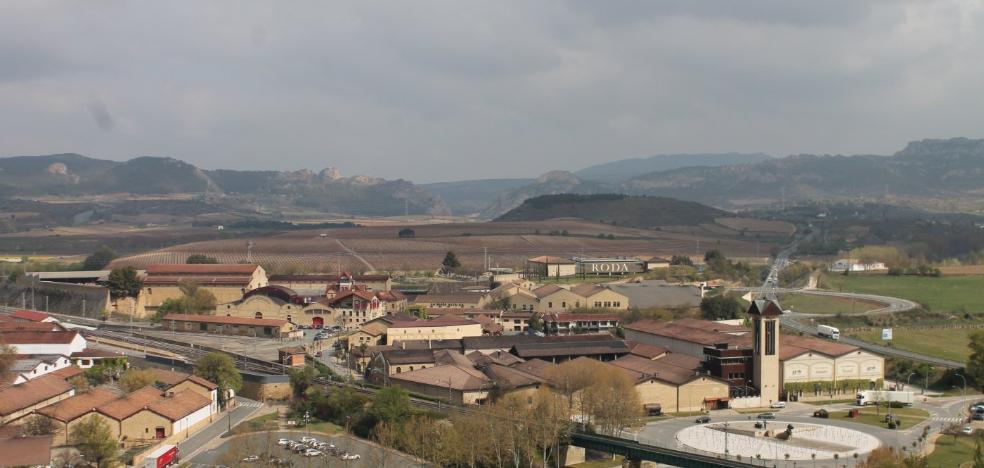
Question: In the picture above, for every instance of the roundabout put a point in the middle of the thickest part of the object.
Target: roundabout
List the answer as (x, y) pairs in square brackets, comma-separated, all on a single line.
[(777, 440)]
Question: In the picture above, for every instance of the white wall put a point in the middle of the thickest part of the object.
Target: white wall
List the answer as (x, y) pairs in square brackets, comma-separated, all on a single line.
[(189, 421), (77, 345)]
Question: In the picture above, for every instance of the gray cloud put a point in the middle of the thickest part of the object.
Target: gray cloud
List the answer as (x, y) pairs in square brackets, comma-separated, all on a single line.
[(467, 89)]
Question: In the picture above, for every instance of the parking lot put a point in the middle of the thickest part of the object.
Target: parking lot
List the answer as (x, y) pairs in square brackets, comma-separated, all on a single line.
[(239, 452)]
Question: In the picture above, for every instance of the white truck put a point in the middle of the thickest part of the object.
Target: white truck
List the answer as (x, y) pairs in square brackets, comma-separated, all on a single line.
[(162, 457), (827, 331), (871, 397)]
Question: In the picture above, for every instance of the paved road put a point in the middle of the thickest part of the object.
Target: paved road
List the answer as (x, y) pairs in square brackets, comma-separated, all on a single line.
[(244, 410)]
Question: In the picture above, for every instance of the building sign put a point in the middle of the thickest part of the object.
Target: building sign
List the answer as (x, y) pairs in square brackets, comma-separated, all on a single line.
[(601, 268), (887, 334)]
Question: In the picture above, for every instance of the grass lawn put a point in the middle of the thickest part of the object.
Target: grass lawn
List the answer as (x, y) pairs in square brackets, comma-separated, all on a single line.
[(907, 417), (947, 343), (267, 422), (826, 402), (685, 414), (946, 293), (950, 453), (324, 427), (810, 304), (763, 409)]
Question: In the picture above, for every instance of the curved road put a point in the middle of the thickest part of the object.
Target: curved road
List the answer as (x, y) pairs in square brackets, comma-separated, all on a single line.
[(893, 304)]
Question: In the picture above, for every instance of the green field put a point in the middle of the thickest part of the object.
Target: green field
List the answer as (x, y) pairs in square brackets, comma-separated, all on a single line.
[(811, 304), (947, 343), (945, 293), (950, 453), (907, 417)]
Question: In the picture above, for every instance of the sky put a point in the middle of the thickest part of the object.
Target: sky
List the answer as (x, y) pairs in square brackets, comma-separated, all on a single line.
[(458, 89)]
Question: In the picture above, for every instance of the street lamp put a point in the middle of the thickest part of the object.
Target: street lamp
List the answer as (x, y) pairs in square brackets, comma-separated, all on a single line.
[(965, 384), (307, 418), (909, 378)]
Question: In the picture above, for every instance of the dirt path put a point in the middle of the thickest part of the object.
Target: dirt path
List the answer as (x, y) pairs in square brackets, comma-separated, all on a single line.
[(355, 255)]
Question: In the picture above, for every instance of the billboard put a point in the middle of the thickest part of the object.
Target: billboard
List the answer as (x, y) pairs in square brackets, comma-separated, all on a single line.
[(611, 267), (886, 334)]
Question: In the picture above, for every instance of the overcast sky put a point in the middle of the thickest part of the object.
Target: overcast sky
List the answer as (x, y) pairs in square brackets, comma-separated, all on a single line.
[(450, 90)]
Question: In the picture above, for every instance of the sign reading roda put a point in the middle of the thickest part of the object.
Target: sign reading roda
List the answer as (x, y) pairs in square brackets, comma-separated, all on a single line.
[(596, 268)]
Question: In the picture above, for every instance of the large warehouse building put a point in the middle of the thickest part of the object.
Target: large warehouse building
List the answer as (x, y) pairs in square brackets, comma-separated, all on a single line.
[(806, 367)]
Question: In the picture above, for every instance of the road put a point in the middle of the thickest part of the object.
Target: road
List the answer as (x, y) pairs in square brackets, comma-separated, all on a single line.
[(244, 410), (792, 321)]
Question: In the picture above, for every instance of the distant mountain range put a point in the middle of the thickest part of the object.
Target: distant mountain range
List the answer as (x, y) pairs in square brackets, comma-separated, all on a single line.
[(938, 175), (65, 175)]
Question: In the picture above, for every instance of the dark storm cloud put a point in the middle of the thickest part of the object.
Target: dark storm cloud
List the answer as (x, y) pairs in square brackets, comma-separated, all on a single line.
[(436, 90)]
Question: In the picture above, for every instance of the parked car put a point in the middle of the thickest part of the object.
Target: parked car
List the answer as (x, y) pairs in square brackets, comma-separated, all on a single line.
[(978, 417), (350, 456), (308, 440), (702, 419), (778, 405), (312, 453), (283, 441), (767, 416), (821, 413), (251, 459), (967, 430)]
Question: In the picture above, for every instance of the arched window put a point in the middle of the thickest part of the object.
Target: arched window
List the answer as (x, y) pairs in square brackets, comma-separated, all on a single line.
[(398, 370), (258, 315)]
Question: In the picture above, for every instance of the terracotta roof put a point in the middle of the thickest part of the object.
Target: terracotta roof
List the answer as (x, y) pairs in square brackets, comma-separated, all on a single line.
[(324, 278), (586, 348), (537, 367), (791, 346), (489, 325), (30, 315), (180, 404), (202, 269), (449, 356), (78, 405), (364, 295), (131, 404), (201, 280), (498, 357), (588, 289), (409, 356), (26, 451), (448, 299), (682, 332), (509, 378), (457, 377), (645, 350), (17, 397), (9, 431), (171, 378), (437, 322), (711, 325), (546, 290), (551, 260), (38, 337), (374, 328), (226, 320), (67, 373), (659, 369)]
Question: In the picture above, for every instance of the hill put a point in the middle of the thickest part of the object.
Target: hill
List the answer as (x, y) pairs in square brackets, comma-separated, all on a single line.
[(551, 183), (614, 209), (470, 197), (618, 171), (74, 175), (934, 174)]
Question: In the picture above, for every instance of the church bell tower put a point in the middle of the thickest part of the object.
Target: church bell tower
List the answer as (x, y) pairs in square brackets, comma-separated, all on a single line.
[(764, 315)]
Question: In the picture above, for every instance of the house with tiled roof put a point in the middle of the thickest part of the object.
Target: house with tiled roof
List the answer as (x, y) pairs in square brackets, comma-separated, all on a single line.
[(17, 401), (31, 451), (29, 367), (41, 342), (70, 411)]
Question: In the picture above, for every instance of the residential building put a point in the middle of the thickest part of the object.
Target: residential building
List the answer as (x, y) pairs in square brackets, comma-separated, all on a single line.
[(569, 324), (39, 342), (29, 367), (17, 401), (437, 329), (67, 413)]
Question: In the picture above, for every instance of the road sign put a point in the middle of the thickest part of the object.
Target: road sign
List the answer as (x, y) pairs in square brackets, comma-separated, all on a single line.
[(886, 334)]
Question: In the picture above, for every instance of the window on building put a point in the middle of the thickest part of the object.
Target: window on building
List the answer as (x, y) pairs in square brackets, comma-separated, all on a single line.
[(563, 304), (202, 327), (258, 315), (597, 303), (770, 337), (550, 305), (398, 370)]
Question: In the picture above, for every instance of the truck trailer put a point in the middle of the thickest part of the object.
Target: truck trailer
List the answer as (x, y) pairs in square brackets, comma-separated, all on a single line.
[(162, 457), (827, 331), (871, 397)]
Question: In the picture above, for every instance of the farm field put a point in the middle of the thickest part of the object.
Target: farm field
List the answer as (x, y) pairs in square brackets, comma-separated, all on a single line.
[(945, 293), (812, 304), (508, 244), (947, 343)]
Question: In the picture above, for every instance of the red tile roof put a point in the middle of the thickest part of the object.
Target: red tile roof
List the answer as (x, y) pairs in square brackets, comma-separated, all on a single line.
[(201, 280), (30, 326), (26, 451), (180, 404), (438, 322), (645, 350), (37, 337), (78, 405), (17, 397), (216, 269), (31, 315), (226, 320), (131, 404)]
